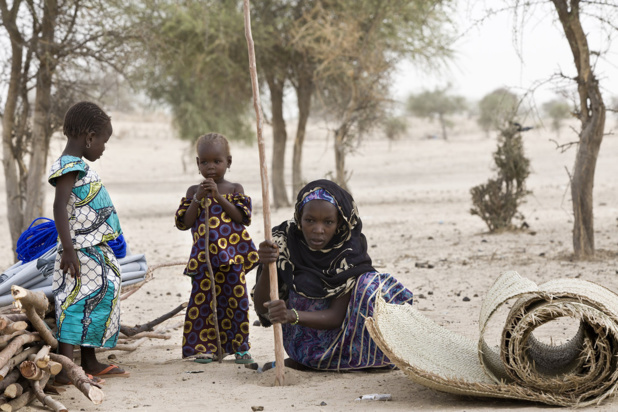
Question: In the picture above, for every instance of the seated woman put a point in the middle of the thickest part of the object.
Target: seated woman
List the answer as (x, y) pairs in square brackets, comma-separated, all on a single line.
[(327, 284)]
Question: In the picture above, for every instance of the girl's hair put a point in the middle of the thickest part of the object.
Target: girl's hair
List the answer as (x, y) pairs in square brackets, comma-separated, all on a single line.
[(83, 118), (213, 138)]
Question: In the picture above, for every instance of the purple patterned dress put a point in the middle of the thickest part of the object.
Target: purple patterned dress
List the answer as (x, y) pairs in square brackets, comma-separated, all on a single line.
[(348, 347), (232, 254)]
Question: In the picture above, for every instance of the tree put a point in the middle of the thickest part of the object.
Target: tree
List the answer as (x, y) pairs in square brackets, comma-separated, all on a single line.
[(198, 65), (591, 115), (194, 59), (590, 110), (557, 110), (302, 77), (496, 108), (394, 128), (357, 45), (53, 46), (437, 103), (614, 107), (288, 38), (272, 22)]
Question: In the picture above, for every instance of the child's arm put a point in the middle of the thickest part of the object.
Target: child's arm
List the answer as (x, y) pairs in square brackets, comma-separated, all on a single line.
[(190, 216), (68, 260), (231, 209)]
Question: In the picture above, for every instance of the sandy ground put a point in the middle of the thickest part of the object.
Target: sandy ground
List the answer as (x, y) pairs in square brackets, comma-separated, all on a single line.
[(413, 196)]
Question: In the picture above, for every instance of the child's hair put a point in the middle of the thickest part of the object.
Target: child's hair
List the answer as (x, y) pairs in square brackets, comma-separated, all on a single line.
[(213, 138), (83, 118)]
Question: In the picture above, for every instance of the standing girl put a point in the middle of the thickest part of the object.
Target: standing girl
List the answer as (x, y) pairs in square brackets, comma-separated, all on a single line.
[(231, 251), (86, 281)]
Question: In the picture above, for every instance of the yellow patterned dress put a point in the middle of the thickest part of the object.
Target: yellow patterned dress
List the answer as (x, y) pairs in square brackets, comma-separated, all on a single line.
[(232, 254), (87, 306)]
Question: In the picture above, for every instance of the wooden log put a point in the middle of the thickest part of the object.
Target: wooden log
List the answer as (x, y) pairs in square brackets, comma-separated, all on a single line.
[(53, 368), (29, 368), (130, 347), (36, 300), (42, 363), (35, 305), (10, 378), (150, 325), (37, 365), (4, 339), (151, 335), (18, 402), (54, 390), (21, 401), (42, 354), (12, 327), (14, 317), (51, 403), (13, 390), (78, 377), (16, 345), (9, 356), (6, 320), (30, 371)]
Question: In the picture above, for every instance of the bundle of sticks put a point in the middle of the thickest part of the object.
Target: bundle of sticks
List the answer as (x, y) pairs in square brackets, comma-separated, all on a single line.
[(27, 361), (27, 346)]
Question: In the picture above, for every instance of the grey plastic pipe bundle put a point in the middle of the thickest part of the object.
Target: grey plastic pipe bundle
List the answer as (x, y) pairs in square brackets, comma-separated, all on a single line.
[(36, 275)]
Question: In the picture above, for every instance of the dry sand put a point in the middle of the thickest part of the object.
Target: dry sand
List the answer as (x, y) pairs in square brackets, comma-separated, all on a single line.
[(413, 196)]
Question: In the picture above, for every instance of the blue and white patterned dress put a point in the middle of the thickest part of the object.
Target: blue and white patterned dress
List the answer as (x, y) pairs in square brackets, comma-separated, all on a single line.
[(88, 306)]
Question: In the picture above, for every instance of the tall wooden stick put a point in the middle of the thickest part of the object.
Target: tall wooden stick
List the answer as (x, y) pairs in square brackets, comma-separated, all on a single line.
[(272, 268), (212, 283)]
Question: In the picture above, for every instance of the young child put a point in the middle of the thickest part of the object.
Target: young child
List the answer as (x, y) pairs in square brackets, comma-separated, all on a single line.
[(231, 251), (86, 280)]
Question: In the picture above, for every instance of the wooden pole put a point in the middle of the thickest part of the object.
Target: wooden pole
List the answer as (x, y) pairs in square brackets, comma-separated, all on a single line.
[(272, 268), (212, 283)]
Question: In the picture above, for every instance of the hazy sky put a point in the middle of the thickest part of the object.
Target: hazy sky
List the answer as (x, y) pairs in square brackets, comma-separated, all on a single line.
[(487, 57)]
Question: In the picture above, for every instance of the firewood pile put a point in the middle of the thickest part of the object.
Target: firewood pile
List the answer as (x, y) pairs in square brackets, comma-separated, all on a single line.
[(27, 361), (27, 345)]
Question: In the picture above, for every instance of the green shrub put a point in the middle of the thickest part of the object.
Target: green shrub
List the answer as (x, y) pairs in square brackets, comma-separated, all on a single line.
[(498, 200)]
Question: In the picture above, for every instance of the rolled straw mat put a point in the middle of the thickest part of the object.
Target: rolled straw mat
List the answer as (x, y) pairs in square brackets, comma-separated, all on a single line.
[(580, 372)]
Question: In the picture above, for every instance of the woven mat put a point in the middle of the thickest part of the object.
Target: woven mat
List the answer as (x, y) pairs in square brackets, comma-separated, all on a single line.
[(578, 373)]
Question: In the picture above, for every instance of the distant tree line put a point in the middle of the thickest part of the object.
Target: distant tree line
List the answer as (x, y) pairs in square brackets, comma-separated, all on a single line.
[(334, 55)]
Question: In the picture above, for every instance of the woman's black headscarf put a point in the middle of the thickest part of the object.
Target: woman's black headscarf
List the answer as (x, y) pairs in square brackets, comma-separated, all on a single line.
[(332, 271)]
